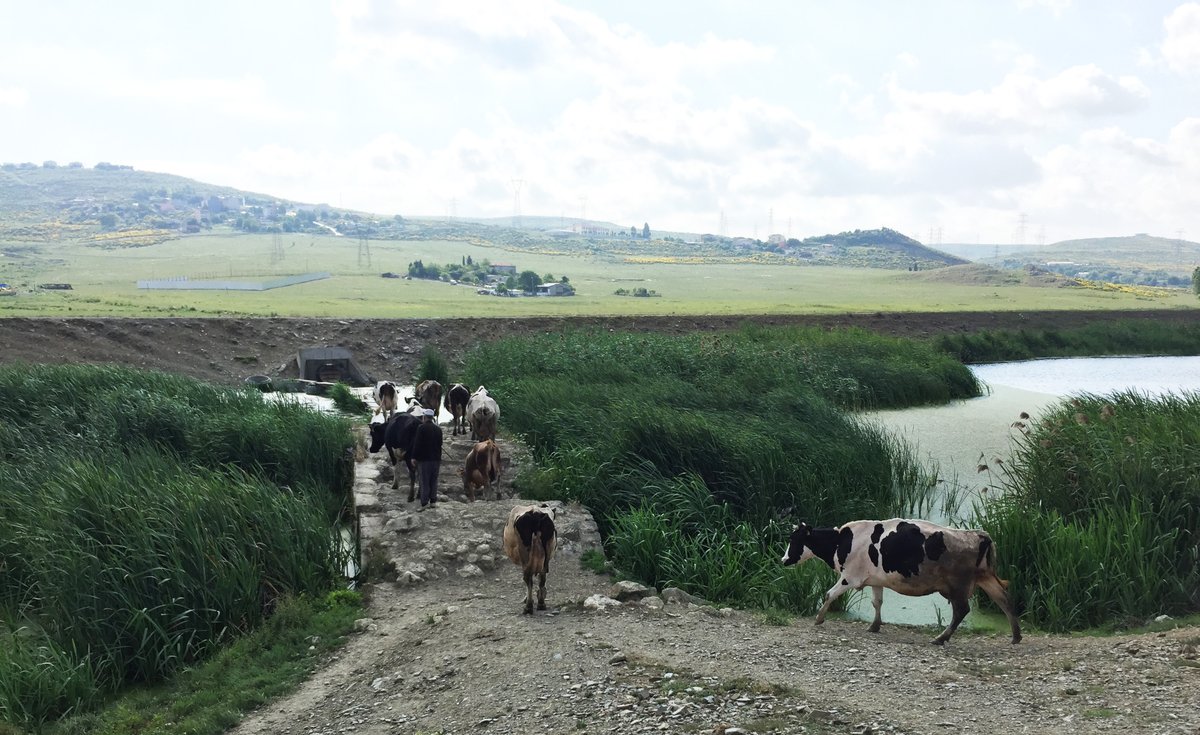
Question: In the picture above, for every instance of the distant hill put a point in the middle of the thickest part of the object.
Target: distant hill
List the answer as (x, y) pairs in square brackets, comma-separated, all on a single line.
[(887, 240), (1135, 259), (977, 274)]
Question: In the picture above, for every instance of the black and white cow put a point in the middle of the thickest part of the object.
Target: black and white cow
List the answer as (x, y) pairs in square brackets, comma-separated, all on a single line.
[(909, 556), (397, 434), (385, 398)]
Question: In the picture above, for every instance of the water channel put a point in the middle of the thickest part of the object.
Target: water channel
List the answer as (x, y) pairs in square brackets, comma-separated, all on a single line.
[(961, 435)]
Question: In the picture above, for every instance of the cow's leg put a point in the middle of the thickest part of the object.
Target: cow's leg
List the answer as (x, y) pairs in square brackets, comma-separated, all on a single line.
[(394, 462), (528, 590), (412, 479), (468, 486), (994, 588), (542, 591), (877, 601), (961, 607), (837, 590)]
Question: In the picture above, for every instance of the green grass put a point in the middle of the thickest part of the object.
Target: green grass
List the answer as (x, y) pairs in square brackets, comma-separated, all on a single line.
[(1101, 512), (347, 402), (593, 560), (168, 518), (1118, 338), (105, 283), (696, 453), (209, 698)]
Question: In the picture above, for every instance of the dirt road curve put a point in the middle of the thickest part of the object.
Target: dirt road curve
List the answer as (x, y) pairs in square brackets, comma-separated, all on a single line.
[(228, 350), (447, 650)]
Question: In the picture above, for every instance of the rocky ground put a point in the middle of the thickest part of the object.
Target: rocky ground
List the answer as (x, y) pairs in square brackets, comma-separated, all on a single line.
[(444, 648)]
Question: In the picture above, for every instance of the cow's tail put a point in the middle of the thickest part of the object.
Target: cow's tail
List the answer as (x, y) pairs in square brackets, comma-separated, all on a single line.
[(985, 564), (537, 553)]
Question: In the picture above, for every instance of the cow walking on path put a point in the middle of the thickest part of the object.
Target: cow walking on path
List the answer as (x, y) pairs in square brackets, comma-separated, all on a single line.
[(909, 556)]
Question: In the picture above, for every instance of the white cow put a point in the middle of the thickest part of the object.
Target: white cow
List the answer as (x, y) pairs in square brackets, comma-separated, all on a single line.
[(482, 414)]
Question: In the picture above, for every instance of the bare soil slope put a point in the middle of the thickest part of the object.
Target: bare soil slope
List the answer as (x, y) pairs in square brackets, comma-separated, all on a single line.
[(229, 350)]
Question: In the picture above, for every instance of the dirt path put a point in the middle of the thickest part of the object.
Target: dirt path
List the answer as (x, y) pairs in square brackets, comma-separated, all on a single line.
[(446, 649)]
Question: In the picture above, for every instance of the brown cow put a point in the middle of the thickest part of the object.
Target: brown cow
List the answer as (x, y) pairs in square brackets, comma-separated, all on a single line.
[(529, 540), (428, 394), (482, 469)]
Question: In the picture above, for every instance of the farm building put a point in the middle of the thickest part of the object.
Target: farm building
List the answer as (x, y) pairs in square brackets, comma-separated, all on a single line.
[(552, 289)]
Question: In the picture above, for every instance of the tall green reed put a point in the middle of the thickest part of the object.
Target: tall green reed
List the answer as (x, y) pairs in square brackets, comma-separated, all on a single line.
[(695, 452), (1100, 519), (145, 519)]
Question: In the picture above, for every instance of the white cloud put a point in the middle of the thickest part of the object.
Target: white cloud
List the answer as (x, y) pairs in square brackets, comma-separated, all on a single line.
[(1022, 101), (1181, 47), (1057, 7), (13, 96), (522, 37)]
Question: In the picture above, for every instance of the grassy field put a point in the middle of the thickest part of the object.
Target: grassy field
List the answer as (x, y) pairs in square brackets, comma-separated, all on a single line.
[(104, 283)]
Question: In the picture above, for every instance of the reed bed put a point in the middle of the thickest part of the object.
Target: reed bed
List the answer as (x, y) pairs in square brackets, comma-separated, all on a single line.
[(1100, 519), (1133, 337), (697, 452), (145, 519)]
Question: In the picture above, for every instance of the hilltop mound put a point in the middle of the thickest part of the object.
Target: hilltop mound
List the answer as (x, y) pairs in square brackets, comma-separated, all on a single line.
[(977, 274), (884, 239)]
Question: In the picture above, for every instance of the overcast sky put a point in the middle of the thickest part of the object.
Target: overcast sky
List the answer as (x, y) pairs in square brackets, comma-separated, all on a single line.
[(796, 117)]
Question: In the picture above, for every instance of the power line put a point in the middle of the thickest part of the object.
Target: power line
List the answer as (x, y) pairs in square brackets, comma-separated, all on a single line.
[(517, 184)]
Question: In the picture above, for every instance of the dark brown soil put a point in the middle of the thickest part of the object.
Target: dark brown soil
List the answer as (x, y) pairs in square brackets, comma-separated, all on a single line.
[(229, 350)]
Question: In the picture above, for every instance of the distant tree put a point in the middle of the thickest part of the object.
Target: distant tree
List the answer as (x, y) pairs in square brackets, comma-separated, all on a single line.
[(108, 221), (501, 288), (510, 283), (1196, 281), (646, 231), (564, 279), (528, 281), (632, 231), (469, 261), (547, 278), (75, 164), (49, 164)]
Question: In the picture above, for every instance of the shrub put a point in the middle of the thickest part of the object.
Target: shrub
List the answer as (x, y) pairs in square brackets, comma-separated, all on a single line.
[(432, 366)]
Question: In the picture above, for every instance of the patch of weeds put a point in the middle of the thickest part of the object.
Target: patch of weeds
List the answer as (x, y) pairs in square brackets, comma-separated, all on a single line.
[(775, 616), (375, 562), (746, 685), (594, 560), (1100, 712), (1185, 663), (246, 359), (984, 670), (347, 402), (769, 724)]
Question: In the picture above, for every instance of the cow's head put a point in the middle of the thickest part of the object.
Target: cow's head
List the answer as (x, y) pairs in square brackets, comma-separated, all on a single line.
[(378, 434), (798, 549)]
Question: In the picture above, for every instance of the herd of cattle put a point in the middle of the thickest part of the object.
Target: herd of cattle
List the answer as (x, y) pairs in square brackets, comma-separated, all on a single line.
[(398, 430), (912, 557), (529, 535)]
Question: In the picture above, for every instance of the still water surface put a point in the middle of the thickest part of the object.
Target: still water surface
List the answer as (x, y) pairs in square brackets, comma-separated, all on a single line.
[(961, 435)]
